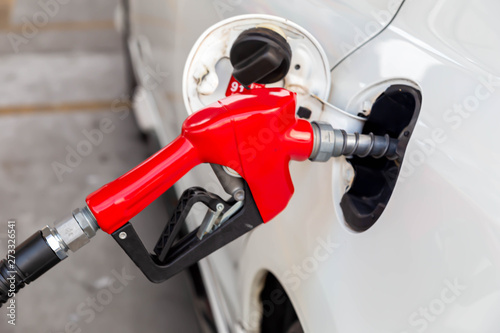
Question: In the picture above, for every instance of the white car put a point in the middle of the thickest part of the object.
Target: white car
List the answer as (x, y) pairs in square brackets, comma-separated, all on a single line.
[(364, 245)]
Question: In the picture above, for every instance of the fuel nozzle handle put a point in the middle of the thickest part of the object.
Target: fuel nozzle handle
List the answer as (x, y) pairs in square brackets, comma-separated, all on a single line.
[(43, 250), (255, 133)]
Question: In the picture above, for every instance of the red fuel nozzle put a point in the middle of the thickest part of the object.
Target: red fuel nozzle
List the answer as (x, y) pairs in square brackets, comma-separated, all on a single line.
[(255, 133)]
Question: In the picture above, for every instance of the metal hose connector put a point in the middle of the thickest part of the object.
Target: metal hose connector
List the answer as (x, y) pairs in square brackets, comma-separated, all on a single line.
[(330, 142), (43, 250)]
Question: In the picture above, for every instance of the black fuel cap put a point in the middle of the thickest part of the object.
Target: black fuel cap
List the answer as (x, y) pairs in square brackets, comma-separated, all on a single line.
[(260, 55)]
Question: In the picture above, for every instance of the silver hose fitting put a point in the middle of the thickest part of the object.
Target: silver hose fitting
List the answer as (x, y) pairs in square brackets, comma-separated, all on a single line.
[(330, 142), (44, 250), (71, 233)]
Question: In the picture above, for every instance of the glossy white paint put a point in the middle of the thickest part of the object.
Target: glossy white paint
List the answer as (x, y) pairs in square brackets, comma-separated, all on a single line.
[(441, 226), (165, 32), (431, 263)]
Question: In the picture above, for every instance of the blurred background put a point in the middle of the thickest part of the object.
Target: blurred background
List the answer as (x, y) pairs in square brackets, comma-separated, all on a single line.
[(63, 75)]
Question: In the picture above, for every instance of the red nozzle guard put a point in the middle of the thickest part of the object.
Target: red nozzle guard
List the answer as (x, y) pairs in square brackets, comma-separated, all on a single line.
[(255, 133)]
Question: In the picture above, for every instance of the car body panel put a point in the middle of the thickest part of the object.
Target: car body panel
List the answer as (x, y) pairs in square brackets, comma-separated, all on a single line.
[(431, 261), (166, 31), (435, 246)]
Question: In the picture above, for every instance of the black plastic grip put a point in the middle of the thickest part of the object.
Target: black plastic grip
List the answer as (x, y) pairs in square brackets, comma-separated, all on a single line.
[(33, 258)]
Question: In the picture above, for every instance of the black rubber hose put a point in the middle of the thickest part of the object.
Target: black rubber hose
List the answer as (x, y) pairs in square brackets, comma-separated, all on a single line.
[(33, 258)]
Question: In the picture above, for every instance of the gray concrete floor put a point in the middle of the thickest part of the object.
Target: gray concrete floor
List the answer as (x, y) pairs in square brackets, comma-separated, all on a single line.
[(75, 65)]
